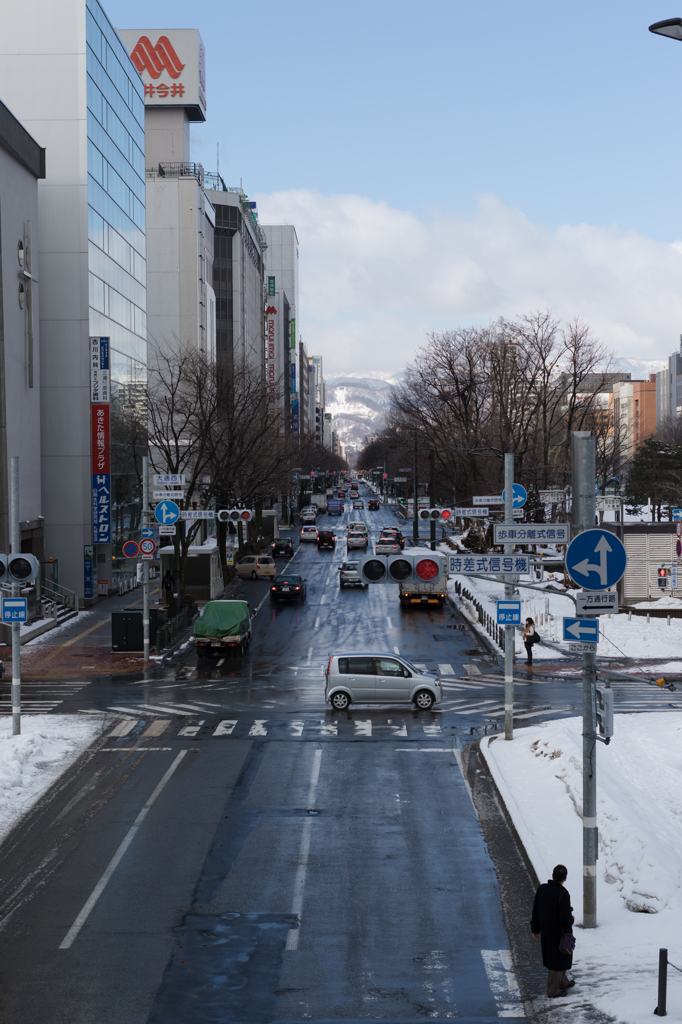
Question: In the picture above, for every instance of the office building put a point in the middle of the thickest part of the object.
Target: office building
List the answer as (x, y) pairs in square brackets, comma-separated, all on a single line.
[(22, 165), (634, 414), (669, 390), (281, 260), (85, 105)]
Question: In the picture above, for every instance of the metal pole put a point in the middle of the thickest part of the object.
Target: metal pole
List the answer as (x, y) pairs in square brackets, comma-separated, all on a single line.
[(590, 837), (15, 541), (145, 563), (415, 522), (432, 494), (509, 642), (661, 1010)]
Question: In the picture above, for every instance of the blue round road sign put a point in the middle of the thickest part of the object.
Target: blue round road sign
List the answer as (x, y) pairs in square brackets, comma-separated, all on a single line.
[(596, 559), (520, 496), (130, 549), (167, 513)]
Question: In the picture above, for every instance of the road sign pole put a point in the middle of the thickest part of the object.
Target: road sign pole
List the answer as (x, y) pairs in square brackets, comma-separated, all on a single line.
[(145, 563), (15, 540), (586, 451), (432, 494), (509, 642)]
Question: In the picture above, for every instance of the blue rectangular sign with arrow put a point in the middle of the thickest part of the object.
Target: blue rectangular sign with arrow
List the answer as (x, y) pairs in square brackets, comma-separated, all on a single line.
[(583, 630)]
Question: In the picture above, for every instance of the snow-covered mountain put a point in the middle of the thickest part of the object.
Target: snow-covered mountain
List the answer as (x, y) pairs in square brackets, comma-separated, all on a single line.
[(358, 404)]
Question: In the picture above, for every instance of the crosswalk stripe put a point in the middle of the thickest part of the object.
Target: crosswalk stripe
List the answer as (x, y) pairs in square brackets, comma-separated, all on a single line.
[(446, 670), (167, 709), (156, 727), (123, 728), (226, 727)]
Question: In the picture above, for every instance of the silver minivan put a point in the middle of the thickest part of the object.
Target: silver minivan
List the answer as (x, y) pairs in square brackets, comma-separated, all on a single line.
[(357, 677)]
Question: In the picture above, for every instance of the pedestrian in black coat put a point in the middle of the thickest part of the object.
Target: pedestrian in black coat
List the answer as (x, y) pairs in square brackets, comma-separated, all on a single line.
[(552, 919)]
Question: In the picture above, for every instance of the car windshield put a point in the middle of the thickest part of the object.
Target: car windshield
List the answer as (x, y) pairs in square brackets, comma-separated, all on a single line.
[(309, 529), (286, 579), (350, 567), (413, 668)]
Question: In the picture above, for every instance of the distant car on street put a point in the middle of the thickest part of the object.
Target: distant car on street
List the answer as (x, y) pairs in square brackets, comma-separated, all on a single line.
[(358, 503), (289, 587), (357, 539), (309, 533), (373, 504), (308, 515), (349, 576), (282, 547), (355, 677), (393, 531), (256, 567), (326, 539), (387, 546)]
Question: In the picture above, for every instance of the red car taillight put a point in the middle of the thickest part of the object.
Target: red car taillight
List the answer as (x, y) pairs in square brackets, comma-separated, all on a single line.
[(329, 666), (297, 588)]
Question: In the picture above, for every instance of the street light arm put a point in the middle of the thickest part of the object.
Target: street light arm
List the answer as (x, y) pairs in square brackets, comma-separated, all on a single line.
[(672, 28)]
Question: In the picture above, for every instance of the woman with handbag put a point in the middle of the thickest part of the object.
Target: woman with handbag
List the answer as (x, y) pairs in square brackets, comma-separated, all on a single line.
[(552, 920), (530, 637)]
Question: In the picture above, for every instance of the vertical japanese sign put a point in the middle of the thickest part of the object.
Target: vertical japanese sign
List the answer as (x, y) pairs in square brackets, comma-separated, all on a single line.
[(100, 392), (271, 286), (270, 358), (88, 571), (100, 379), (292, 333)]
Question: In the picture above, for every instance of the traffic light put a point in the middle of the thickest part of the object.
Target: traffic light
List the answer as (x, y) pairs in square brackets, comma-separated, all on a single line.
[(235, 515), (662, 577), (406, 568), (604, 701), (21, 569), (442, 514)]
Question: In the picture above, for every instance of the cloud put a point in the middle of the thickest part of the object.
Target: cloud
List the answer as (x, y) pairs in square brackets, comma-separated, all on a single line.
[(374, 279)]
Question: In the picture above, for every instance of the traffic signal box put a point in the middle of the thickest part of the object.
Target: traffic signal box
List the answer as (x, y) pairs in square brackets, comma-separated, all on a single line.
[(443, 515), (663, 577), (405, 568), (21, 569), (604, 709), (235, 515)]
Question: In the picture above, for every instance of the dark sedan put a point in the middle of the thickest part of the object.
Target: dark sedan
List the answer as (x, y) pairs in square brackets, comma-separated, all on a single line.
[(374, 505), (282, 547), (288, 588)]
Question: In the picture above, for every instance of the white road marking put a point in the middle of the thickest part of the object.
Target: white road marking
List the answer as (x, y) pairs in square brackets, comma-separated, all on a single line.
[(388, 621), (191, 730), (258, 608), (123, 728), (301, 871), (323, 599), (75, 928), (328, 730), (473, 670), (446, 670), (424, 750), (396, 650), (219, 663), (257, 729), (431, 730), (310, 656), (363, 728), (226, 727), (158, 726), (317, 623), (169, 710), (502, 980), (422, 668), (397, 730), (296, 728), (137, 750), (131, 712)]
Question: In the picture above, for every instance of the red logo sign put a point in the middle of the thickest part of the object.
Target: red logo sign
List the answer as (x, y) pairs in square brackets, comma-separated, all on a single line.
[(270, 309), (154, 59)]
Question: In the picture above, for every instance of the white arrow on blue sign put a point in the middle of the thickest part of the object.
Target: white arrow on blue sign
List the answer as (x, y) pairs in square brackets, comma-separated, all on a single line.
[(596, 559), (519, 496), (508, 613), (167, 513), (584, 630), (677, 514)]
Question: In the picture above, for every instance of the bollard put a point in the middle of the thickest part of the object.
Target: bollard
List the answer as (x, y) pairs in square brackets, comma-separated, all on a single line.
[(660, 1010), (648, 618), (629, 616), (668, 620)]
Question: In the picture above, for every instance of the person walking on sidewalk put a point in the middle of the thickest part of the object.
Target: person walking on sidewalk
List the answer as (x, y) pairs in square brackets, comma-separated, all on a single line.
[(552, 921), (168, 584), (529, 637)]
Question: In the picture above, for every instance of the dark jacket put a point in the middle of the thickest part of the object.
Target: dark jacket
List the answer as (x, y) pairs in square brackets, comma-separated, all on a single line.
[(552, 918)]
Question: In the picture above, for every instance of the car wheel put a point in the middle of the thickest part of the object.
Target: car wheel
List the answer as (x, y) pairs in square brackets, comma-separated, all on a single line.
[(254, 576), (423, 700), (201, 653), (341, 586), (340, 701)]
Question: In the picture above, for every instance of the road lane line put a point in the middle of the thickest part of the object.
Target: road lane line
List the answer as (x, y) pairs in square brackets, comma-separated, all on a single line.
[(263, 601), (310, 656), (304, 850), (317, 623), (75, 928), (502, 981), (170, 710), (396, 650), (157, 727), (388, 620)]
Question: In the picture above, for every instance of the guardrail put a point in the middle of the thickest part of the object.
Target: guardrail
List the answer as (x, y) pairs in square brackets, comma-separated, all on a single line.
[(59, 594), (495, 632), (169, 632)]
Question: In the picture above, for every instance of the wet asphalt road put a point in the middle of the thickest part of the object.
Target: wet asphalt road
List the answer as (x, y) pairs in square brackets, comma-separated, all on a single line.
[(232, 850)]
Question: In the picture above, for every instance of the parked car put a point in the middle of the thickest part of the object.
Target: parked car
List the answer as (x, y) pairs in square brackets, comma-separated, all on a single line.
[(356, 539), (308, 533), (349, 575), (387, 546), (358, 503), (290, 587), (224, 626), (373, 504), (282, 547), (256, 567), (326, 539), (378, 678)]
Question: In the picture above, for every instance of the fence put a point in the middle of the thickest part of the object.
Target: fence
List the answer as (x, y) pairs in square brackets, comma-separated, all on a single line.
[(495, 632), (169, 632)]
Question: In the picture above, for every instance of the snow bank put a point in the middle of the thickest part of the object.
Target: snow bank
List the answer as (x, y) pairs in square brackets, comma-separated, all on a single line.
[(639, 871), (31, 762)]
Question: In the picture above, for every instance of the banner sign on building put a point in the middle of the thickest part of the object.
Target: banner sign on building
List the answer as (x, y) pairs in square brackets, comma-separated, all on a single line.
[(489, 564), (270, 357), (88, 571), (271, 286), (292, 333), (101, 474), (100, 379), (172, 66), (294, 415)]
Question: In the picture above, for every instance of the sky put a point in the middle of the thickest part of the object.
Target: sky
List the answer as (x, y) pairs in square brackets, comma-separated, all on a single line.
[(448, 162)]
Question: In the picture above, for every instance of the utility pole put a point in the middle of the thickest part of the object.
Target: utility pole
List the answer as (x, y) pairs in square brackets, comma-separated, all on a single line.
[(432, 494), (509, 642), (415, 522), (585, 501), (15, 540), (145, 563)]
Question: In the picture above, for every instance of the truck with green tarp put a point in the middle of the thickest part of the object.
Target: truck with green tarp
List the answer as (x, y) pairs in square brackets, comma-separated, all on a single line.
[(225, 626)]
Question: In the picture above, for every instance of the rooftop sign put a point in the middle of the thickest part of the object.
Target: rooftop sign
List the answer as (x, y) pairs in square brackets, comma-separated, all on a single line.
[(172, 66)]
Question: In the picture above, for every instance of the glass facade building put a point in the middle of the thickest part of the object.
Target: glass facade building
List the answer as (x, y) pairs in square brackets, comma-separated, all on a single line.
[(117, 259)]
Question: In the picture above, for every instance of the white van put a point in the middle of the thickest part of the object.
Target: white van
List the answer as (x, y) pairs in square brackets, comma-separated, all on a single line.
[(378, 678)]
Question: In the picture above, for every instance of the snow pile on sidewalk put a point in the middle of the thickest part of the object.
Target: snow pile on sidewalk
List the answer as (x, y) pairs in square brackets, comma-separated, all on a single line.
[(639, 871), (31, 762)]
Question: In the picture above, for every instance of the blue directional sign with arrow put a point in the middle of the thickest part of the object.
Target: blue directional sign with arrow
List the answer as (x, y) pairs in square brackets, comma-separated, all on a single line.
[(167, 513), (520, 496), (584, 630), (596, 559)]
